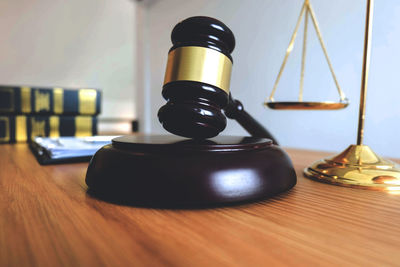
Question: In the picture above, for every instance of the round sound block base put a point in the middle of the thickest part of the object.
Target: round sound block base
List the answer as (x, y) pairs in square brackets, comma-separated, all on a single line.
[(173, 172)]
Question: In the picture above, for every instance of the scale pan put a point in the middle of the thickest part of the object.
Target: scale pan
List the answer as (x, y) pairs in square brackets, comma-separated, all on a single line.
[(326, 105)]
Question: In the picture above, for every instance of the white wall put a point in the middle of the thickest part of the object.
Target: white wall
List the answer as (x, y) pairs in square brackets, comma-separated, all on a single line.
[(263, 29), (74, 43)]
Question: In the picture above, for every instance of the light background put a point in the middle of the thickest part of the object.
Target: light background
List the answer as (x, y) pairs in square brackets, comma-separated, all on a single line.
[(121, 47)]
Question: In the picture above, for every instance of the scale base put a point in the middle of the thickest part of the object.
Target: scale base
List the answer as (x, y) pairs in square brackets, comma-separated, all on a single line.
[(358, 166), (175, 172)]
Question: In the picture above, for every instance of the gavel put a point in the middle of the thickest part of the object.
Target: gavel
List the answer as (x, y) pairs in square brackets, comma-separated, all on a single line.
[(197, 82), (172, 171)]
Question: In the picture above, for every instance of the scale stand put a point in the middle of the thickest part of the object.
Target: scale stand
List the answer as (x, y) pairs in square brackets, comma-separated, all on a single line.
[(358, 166)]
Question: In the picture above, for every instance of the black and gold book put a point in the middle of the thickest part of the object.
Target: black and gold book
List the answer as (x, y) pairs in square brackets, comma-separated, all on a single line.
[(49, 101), (24, 128)]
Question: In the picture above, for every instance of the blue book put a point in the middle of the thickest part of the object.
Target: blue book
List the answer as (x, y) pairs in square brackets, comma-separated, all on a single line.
[(19, 100)]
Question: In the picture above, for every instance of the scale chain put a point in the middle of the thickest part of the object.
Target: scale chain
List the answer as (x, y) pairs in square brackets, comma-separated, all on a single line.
[(308, 10), (314, 20), (303, 56), (288, 51)]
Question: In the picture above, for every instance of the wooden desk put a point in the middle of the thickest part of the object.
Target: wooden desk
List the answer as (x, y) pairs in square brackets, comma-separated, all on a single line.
[(47, 219)]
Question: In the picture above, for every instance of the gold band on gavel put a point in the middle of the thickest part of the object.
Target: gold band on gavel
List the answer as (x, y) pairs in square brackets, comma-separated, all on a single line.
[(200, 64)]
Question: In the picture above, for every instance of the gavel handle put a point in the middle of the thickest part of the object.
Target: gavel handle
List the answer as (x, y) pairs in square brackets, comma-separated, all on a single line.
[(234, 110)]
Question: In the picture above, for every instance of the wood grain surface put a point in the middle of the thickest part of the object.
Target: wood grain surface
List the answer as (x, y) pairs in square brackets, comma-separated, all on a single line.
[(48, 219)]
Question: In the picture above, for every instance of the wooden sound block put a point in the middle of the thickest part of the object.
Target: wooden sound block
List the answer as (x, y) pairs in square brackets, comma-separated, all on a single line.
[(172, 172)]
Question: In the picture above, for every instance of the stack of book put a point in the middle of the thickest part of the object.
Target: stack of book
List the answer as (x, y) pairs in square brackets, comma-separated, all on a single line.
[(27, 112)]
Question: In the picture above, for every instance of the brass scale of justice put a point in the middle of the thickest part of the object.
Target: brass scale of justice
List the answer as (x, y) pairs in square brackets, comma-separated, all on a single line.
[(357, 166)]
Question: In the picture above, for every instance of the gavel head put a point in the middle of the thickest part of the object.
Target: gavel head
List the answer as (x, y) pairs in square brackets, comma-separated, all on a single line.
[(196, 84)]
